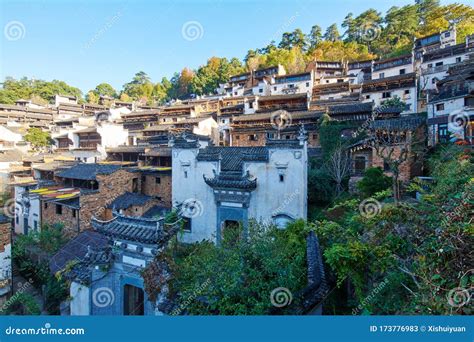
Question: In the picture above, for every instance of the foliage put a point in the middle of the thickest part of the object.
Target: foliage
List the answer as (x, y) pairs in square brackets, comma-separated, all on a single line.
[(25, 88), (419, 251), (55, 291), (23, 303), (368, 35), (42, 244), (38, 138), (374, 180), (237, 277), (320, 185)]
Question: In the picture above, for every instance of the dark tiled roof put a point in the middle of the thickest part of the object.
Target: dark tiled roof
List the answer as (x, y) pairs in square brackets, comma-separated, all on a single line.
[(128, 199), (231, 180), (231, 165), (350, 108), (402, 123), (88, 171), (182, 142), (76, 249), (232, 158), (143, 230)]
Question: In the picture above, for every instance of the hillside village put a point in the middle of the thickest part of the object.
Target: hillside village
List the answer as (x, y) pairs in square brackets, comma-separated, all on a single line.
[(123, 181)]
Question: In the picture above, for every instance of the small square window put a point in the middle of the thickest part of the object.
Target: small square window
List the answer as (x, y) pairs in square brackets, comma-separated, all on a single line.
[(275, 88), (407, 91), (367, 97), (440, 106), (458, 59), (260, 90), (237, 137), (157, 180), (382, 75), (307, 84), (402, 71)]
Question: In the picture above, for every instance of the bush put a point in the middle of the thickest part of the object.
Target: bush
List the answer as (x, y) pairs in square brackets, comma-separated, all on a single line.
[(374, 181)]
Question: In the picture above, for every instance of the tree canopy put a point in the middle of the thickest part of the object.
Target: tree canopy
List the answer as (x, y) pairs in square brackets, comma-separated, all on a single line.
[(363, 36)]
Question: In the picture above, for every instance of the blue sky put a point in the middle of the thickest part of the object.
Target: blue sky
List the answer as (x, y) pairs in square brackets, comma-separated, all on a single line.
[(88, 42)]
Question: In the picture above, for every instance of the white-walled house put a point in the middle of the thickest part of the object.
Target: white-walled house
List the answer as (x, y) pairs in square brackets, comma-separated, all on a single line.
[(435, 64), (396, 66), (27, 208), (217, 188), (89, 144), (451, 107), (292, 84), (404, 87)]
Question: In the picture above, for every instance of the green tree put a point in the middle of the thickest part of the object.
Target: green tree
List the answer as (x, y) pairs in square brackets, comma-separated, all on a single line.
[(374, 181), (315, 36), (332, 34), (105, 89), (38, 138)]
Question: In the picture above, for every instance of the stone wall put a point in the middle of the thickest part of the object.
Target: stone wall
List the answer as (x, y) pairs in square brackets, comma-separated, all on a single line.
[(110, 187), (68, 216), (241, 138), (139, 210), (5, 235), (161, 189)]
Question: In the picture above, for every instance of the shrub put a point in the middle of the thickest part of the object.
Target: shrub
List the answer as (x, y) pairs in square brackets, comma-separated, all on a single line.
[(374, 181)]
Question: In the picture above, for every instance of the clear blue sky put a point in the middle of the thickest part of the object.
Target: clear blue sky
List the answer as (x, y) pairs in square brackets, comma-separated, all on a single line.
[(88, 42)]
